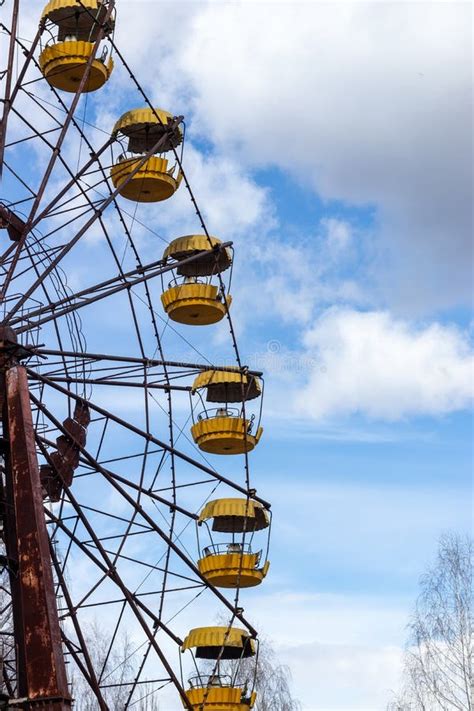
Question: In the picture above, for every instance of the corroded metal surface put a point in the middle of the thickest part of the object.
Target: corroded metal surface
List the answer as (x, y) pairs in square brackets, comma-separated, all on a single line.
[(13, 224), (65, 460), (42, 677)]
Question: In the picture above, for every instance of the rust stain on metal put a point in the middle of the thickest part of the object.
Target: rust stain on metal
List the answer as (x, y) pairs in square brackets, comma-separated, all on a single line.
[(13, 224), (41, 669), (65, 460)]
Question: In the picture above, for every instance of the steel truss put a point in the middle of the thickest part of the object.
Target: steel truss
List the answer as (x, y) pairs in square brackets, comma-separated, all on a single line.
[(47, 372)]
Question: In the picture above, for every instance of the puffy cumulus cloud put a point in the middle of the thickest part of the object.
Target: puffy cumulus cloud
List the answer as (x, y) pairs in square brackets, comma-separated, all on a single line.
[(356, 102), (376, 365), (363, 102)]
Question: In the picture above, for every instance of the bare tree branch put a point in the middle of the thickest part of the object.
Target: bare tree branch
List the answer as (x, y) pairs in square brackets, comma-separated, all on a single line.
[(439, 653)]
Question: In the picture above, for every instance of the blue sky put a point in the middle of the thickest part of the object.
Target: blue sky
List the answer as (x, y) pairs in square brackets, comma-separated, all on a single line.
[(331, 143)]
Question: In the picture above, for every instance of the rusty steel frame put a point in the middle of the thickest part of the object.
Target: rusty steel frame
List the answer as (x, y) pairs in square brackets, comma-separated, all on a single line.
[(236, 612), (136, 505), (119, 383), (105, 289), (135, 604), (112, 479), (41, 672), (107, 566), (83, 662), (91, 150), (10, 95), (67, 248), (147, 362), (74, 181), (8, 85), (57, 147), (151, 438)]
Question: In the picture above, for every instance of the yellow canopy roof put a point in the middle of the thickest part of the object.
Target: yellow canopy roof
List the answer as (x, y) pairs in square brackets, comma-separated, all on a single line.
[(251, 510), (183, 247), (136, 118), (219, 637), (144, 128), (54, 6), (72, 18), (189, 243), (226, 385)]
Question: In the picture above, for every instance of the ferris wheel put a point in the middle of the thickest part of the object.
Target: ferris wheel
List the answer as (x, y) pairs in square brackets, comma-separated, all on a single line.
[(127, 501)]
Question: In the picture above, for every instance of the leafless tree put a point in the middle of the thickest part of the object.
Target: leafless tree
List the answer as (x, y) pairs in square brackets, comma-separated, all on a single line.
[(113, 668), (272, 682), (439, 654), (399, 705), (7, 643)]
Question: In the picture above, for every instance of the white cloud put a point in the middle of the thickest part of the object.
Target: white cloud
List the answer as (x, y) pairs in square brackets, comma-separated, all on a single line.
[(339, 234), (374, 364), (231, 201), (356, 102), (287, 278), (336, 103)]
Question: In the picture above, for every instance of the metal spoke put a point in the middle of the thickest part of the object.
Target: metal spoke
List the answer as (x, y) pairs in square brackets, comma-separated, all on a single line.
[(117, 491)]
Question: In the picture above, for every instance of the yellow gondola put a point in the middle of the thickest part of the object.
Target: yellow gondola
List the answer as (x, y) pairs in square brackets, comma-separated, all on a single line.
[(233, 564), (220, 698), (217, 691), (64, 62), (225, 430), (190, 299), (154, 180)]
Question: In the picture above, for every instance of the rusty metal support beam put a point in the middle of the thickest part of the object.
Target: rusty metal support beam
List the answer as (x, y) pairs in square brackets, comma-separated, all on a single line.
[(120, 383), (133, 601), (146, 362), (11, 222), (42, 677), (8, 84), (7, 99)]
